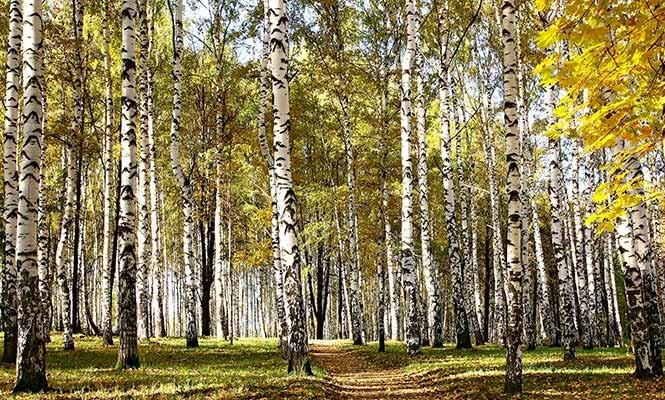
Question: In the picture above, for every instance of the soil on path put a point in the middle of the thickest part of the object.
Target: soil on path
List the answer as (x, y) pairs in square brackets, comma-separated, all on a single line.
[(354, 376)]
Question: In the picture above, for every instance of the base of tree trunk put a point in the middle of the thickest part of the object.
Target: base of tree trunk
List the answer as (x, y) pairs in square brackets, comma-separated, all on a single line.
[(512, 388), (31, 384), (193, 342), (68, 346), (130, 362), (107, 338), (304, 368)]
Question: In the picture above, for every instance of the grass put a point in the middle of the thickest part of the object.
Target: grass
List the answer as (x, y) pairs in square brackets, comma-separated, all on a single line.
[(250, 369), (253, 369), (478, 373)]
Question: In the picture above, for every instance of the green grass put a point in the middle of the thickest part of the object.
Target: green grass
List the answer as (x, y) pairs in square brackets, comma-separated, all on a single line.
[(251, 369), (478, 373)]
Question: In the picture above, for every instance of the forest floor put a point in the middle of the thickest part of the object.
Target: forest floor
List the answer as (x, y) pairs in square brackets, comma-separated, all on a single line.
[(253, 369)]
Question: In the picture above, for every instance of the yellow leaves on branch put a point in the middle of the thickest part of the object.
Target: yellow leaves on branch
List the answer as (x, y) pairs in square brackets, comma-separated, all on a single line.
[(608, 60)]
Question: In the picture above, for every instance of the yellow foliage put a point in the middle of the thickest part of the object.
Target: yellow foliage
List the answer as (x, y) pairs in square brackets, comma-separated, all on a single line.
[(613, 78)]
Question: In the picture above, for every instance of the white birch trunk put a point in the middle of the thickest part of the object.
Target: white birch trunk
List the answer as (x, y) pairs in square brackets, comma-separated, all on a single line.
[(183, 181), (10, 180), (31, 355), (298, 356), (407, 248), (128, 356), (107, 294), (430, 275), (143, 194), (64, 247), (513, 378)]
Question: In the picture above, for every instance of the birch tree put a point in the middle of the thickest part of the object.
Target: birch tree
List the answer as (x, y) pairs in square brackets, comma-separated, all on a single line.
[(31, 354), (566, 299), (513, 380), (270, 163), (10, 180), (298, 355), (107, 268), (143, 190), (64, 246), (462, 335), (408, 262), (182, 180), (433, 311), (128, 356)]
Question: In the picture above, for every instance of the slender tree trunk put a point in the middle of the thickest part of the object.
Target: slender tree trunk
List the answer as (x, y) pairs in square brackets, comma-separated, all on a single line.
[(143, 236), (128, 356), (298, 356), (513, 379), (547, 326), (157, 267), (498, 259), (107, 267), (356, 306), (566, 295), (86, 266), (408, 262), (10, 180), (528, 308), (584, 294), (267, 155), (433, 310), (64, 245), (470, 275), (220, 330), (43, 238), (183, 181), (31, 355), (462, 334)]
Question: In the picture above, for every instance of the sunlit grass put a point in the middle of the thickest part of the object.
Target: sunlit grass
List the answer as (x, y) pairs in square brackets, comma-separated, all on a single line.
[(479, 372), (250, 368), (253, 369)]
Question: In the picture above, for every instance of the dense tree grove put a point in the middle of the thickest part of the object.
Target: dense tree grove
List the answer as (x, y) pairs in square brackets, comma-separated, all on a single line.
[(435, 172)]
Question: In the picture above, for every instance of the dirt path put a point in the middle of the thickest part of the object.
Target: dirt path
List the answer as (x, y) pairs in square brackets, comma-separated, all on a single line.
[(356, 377)]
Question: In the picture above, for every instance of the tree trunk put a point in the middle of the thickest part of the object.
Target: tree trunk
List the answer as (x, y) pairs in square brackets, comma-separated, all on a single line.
[(430, 274), (43, 239), (268, 157), (513, 379), (566, 299), (408, 260), (143, 236), (10, 179), (107, 266), (157, 267), (31, 355), (128, 356), (470, 275), (498, 259), (86, 266), (182, 180), (584, 294), (63, 245), (462, 335), (298, 356)]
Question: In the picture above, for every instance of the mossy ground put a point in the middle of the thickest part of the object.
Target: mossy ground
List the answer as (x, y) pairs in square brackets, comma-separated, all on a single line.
[(253, 369)]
